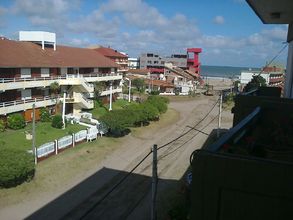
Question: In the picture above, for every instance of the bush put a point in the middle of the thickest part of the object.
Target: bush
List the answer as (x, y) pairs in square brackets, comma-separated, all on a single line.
[(45, 115), (159, 102), (57, 121), (15, 121), (150, 112), (2, 125), (155, 92), (16, 167)]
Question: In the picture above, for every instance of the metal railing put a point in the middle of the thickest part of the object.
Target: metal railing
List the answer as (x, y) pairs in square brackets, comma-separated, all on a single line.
[(24, 101), (67, 76)]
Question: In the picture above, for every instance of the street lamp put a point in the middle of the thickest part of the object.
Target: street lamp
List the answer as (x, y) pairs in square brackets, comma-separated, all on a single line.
[(63, 109), (129, 88)]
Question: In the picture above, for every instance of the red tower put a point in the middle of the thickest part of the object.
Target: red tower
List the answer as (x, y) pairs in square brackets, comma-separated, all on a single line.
[(193, 59)]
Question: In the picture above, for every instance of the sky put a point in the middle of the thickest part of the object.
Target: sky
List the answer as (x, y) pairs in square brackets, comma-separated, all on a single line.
[(228, 31)]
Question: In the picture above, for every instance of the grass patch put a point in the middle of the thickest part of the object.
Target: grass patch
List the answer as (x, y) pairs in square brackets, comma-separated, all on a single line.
[(60, 170), (44, 133)]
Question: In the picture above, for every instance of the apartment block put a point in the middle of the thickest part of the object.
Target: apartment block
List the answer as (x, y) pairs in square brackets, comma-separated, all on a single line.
[(29, 67), (119, 58)]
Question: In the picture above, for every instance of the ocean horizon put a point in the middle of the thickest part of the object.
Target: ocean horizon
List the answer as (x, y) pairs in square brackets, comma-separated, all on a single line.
[(224, 71)]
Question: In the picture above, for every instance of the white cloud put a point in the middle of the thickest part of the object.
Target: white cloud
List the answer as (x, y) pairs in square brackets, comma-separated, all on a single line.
[(219, 19)]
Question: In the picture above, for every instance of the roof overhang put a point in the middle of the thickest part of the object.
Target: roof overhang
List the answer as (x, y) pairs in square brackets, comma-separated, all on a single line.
[(273, 11)]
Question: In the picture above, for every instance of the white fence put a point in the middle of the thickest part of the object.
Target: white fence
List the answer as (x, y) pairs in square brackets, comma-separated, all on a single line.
[(50, 147), (46, 149), (81, 135), (64, 142)]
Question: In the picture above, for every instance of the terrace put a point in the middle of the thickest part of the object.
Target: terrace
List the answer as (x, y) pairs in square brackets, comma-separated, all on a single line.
[(247, 172)]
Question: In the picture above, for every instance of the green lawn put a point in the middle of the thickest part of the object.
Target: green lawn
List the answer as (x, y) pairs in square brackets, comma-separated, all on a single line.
[(44, 133), (118, 104)]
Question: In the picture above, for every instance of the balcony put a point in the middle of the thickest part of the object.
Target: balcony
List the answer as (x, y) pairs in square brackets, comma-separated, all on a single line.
[(77, 79), (246, 173), (22, 105), (117, 89)]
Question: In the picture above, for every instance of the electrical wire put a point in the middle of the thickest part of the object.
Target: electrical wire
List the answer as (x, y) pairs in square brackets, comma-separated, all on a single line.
[(115, 186), (141, 161), (189, 130), (272, 60)]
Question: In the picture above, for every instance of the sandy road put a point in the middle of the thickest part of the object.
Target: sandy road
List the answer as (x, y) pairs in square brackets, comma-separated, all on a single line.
[(131, 199)]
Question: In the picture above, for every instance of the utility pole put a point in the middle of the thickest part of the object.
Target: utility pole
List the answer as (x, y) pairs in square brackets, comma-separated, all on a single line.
[(129, 90), (63, 110), (34, 150), (110, 107), (220, 114), (154, 183)]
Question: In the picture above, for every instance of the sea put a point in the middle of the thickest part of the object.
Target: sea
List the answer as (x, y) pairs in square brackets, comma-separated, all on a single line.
[(224, 71)]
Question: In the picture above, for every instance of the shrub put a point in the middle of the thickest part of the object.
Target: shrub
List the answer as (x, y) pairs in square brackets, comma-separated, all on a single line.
[(150, 112), (2, 125), (16, 167), (155, 92), (159, 102), (57, 121), (45, 115), (15, 121)]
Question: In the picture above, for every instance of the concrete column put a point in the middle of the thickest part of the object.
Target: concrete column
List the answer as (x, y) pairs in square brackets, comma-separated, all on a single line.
[(110, 107), (288, 92)]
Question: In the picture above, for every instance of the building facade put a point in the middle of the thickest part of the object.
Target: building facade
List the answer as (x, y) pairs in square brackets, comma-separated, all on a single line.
[(273, 75), (29, 69), (120, 59)]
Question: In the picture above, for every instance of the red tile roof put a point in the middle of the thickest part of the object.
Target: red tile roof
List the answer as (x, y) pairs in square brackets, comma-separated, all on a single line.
[(139, 71), (109, 52), (27, 54)]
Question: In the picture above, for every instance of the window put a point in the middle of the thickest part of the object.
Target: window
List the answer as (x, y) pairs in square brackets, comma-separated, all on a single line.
[(25, 73), (45, 72), (149, 62), (162, 62), (156, 62), (150, 55)]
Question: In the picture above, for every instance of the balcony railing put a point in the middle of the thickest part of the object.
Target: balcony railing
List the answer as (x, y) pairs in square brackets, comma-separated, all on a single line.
[(67, 76), (26, 101)]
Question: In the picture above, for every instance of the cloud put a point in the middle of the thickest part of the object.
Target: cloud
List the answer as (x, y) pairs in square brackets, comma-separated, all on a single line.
[(80, 42), (219, 19)]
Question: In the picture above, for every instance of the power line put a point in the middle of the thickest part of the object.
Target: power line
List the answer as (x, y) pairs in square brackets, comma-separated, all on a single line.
[(272, 60), (138, 164), (199, 131), (114, 187), (175, 139)]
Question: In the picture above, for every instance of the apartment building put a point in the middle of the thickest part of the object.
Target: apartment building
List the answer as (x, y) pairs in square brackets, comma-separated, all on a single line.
[(119, 58), (273, 75), (29, 67)]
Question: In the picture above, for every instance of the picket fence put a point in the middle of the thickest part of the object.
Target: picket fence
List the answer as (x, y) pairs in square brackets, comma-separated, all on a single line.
[(54, 147)]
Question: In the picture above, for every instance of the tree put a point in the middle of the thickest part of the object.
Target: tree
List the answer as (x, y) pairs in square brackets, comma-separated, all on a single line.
[(99, 88), (139, 84), (256, 82), (54, 87)]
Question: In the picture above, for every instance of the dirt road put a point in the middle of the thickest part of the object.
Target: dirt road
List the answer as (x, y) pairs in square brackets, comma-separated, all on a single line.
[(130, 200)]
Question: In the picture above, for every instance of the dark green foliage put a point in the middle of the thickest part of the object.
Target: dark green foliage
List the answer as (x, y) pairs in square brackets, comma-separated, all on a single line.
[(159, 102), (119, 121), (155, 92), (150, 112), (45, 115), (16, 167), (57, 121), (2, 125), (139, 84), (54, 87), (15, 121), (256, 82)]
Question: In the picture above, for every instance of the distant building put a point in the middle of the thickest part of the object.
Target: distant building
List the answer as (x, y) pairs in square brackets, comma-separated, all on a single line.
[(133, 63), (273, 75), (118, 57), (156, 63)]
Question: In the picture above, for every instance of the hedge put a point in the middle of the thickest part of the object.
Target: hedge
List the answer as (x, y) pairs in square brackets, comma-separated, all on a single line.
[(57, 121), (16, 167), (15, 121)]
